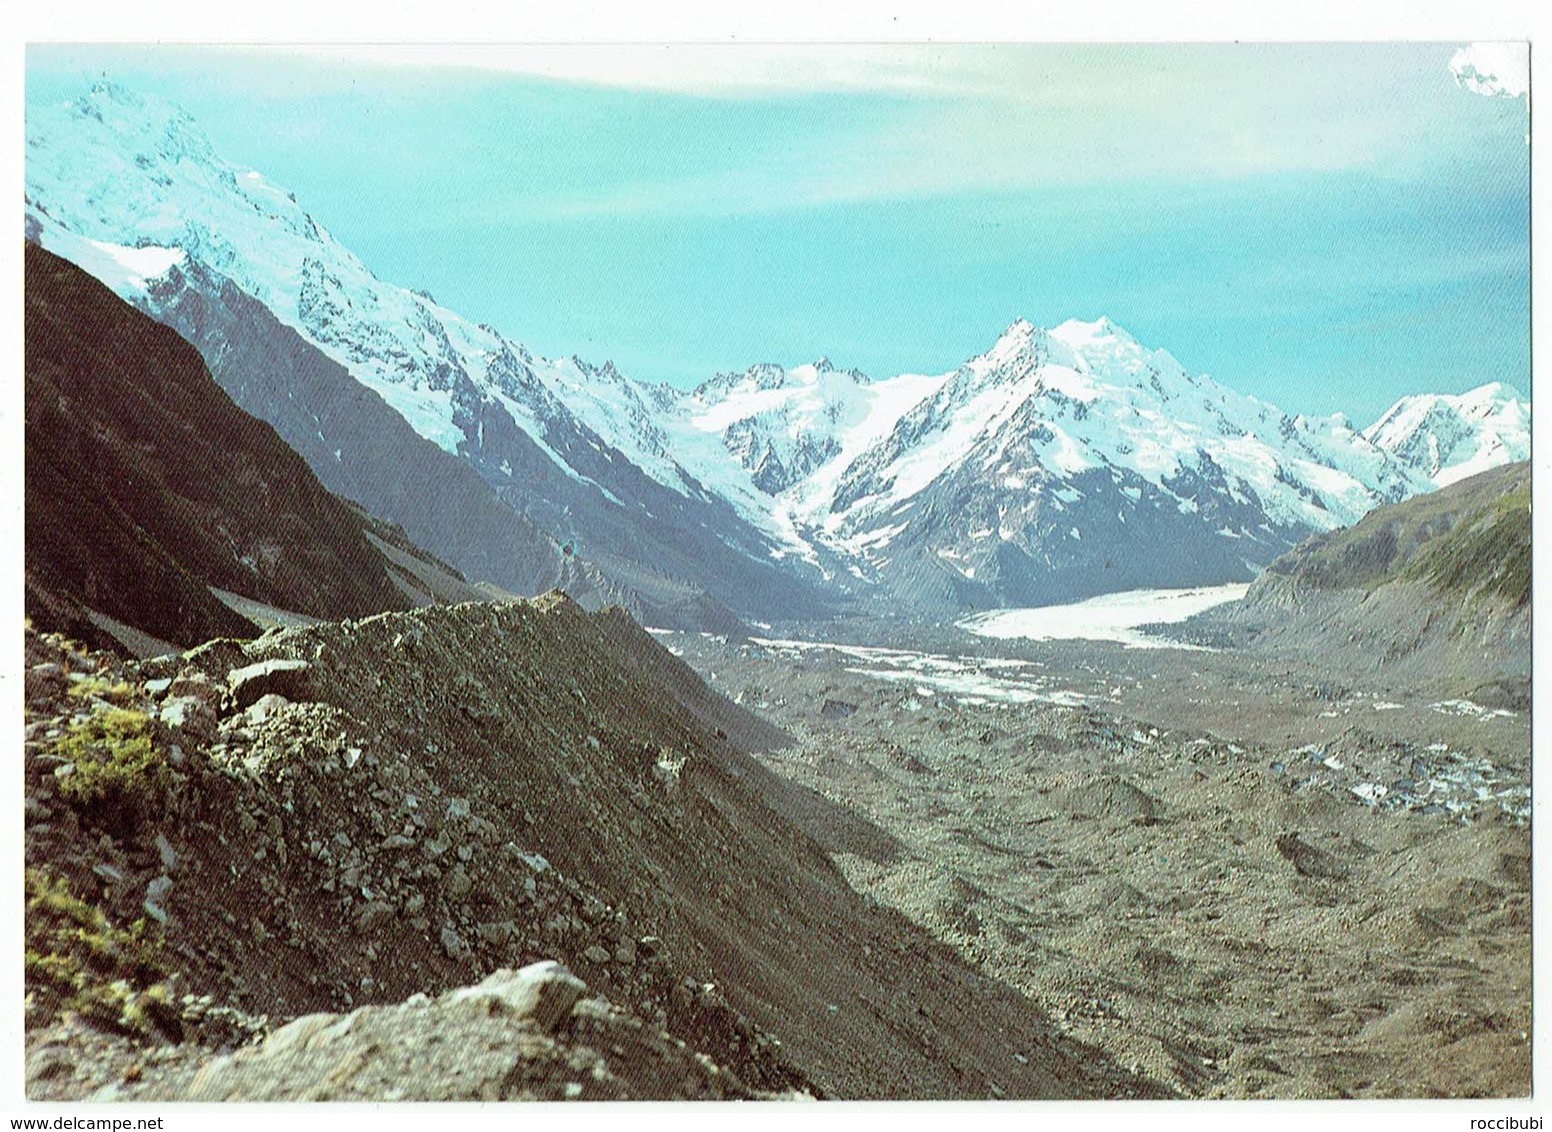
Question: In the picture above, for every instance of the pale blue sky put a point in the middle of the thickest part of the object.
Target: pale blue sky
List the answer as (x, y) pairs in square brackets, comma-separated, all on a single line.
[(1327, 227)]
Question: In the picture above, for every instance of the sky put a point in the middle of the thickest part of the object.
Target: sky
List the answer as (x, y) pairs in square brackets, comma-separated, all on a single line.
[(1327, 227)]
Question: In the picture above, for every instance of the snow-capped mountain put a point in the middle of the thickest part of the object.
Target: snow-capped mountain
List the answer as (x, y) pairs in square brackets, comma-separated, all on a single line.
[(127, 186), (1450, 438), (1058, 463)]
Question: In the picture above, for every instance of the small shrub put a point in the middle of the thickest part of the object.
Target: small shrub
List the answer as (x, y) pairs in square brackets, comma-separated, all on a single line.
[(118, 770), (122, 692), (75, 960)]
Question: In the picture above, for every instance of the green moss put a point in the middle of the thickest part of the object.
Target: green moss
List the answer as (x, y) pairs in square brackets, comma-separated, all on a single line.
[(76, 960), (119, 692), (117, 767), (62, 974)]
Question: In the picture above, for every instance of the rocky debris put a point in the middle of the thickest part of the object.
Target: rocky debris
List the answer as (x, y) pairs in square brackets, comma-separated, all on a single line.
[(1124, 799), (1190, 947), (329, 858), (518, 1035), (837, 709), (1309, 860), (278, 677), (1436, 778)]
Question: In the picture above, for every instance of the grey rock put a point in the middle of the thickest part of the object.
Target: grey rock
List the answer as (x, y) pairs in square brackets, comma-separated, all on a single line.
[(458, 883), (279, 677), (299, 1033), (198, 685), (50, 1063), (535, 861), (189, 714), (374, 915), (544, 991), (497, 932), (505, 1039), (168, 854), (453, 943), (596, 954), (265, 708)]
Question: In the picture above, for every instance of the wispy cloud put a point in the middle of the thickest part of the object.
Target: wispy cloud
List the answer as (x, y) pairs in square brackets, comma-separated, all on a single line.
[(726, 70), (1497, 70)]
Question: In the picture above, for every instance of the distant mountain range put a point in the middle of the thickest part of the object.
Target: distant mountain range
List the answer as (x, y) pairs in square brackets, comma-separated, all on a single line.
[(1058, 464)]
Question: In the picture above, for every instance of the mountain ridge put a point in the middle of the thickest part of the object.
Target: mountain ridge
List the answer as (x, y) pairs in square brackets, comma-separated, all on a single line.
[(775, 490), (146, 486)]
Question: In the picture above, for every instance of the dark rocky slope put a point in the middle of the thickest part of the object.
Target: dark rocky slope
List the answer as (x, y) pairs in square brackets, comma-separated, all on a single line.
[(407, 803), (145, 485), (1432, 592)]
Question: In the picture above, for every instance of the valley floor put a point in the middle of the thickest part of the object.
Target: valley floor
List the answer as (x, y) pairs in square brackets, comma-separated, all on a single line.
[(1239, 877)]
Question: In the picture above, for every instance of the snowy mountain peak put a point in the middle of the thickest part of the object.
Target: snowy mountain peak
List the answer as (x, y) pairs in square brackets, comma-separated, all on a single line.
[(1018, 351), (1054, 452), (1075, 332), (1017, 336), (1488, 397), (1452, 436), (156, 123)]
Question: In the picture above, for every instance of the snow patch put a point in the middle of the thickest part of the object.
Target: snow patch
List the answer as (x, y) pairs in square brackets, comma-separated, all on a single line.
[(1111, 617)]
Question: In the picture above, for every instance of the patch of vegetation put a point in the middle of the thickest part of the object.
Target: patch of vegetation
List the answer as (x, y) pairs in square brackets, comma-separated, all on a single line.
[(1470, 537), (97, 687), (118, 770), (77, 961), (1490, 554)]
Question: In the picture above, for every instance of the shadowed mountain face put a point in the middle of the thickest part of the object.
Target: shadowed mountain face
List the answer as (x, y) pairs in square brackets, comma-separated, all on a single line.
[(145, 485), (360, 448)]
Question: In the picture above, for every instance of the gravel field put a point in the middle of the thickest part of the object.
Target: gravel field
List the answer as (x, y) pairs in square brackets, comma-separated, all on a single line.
[(1243, 877)]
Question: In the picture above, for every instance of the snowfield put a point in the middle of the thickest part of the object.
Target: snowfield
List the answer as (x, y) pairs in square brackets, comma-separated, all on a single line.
[(1112, 617)]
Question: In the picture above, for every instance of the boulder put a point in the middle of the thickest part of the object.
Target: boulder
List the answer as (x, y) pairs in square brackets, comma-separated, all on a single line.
[(544, 992), (189, 715), (279, 677)]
